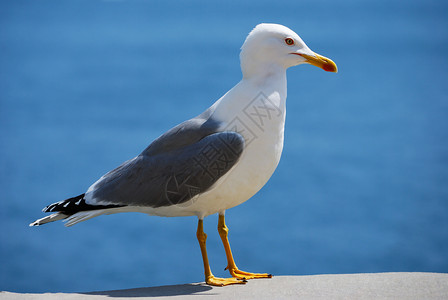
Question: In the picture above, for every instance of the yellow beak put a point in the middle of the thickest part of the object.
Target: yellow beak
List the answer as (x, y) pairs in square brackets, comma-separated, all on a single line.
[(320, 61)]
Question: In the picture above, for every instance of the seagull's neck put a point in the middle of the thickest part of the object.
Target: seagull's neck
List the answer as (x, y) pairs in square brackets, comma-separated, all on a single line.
[(261, 70), (268, 79), (267, 86)]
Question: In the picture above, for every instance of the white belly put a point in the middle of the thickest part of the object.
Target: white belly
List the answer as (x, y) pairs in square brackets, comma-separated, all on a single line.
[(251, 173)]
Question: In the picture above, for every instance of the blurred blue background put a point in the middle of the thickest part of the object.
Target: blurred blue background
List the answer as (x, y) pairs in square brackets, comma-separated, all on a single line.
[(362, 185)]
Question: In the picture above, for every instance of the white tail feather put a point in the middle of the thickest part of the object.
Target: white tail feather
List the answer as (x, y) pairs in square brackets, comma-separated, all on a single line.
[(48, 219), (83, 216)]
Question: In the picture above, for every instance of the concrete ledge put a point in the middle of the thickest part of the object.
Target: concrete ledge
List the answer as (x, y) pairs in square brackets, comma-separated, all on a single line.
[(349, 286)]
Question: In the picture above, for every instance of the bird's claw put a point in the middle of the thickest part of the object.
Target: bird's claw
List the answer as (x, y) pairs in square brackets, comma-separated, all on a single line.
[(236, 273), (216, 281)]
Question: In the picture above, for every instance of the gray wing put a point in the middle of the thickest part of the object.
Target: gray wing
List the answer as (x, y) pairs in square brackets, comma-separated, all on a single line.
[(184, 134), (171, 173)]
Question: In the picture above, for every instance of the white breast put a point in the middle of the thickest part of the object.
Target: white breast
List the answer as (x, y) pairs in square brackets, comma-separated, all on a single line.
[(261, 122)]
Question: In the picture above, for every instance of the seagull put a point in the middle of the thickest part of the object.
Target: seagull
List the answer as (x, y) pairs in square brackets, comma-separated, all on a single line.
[(214, 161)]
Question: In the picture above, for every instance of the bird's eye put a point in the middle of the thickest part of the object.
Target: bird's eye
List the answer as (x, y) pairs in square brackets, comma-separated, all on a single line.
[(289, 41)]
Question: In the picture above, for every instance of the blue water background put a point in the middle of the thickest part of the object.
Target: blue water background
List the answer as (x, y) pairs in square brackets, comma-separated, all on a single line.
[(363, 181)]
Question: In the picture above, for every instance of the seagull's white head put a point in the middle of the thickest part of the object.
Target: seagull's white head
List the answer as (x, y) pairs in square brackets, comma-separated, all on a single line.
[(273, 46)]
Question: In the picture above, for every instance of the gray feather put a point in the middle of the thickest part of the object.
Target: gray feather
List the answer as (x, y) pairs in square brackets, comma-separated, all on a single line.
[(184, 134), (182, 163)]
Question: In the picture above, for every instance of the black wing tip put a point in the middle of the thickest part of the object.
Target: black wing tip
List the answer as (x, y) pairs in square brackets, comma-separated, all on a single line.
[(73, 205), (62, 206)]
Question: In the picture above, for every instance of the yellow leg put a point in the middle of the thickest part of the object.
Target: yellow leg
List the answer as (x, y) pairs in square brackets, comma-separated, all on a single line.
[(209, 278), (231, 266)]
